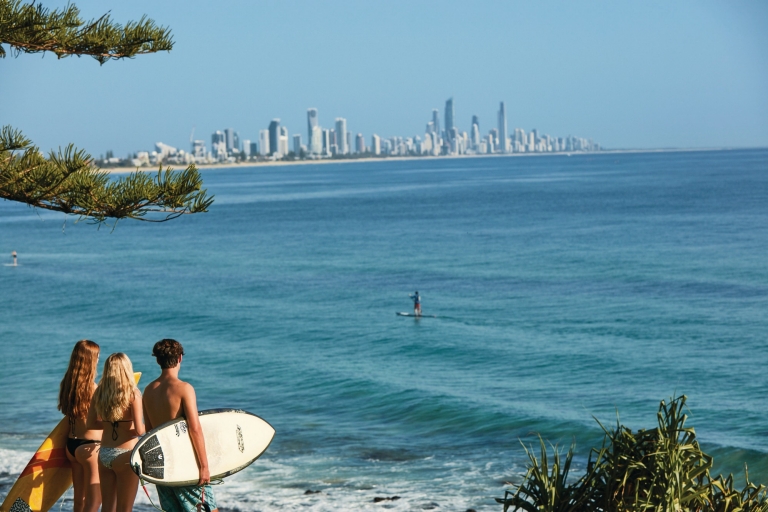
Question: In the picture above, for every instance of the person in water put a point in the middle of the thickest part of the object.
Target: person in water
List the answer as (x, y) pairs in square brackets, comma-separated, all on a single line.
[(168, 398), (416, 303), (116, 409), (75, 394)]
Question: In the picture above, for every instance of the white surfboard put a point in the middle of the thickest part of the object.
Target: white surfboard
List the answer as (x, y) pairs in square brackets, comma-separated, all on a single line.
[(402, 313), (233, 440)]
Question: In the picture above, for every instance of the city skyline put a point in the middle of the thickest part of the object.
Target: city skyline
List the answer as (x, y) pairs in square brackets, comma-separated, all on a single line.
[(336, 141), (650, 75)]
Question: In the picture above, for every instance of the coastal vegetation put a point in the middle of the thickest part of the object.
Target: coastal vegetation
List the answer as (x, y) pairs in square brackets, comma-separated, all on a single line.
[(662, 469), (67, 180)]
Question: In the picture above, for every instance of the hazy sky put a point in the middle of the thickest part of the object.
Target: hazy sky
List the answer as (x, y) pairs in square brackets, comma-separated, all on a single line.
[(688, 73)]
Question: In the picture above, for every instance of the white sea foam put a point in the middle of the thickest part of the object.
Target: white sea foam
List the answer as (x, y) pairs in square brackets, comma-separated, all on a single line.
[(13, 462)]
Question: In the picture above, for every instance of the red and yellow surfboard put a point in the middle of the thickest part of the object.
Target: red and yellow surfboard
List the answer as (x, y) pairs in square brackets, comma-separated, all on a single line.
[(47, 475)]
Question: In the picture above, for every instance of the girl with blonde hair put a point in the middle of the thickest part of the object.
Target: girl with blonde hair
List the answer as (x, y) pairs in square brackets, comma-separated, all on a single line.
[(75, 393), (116, 408)]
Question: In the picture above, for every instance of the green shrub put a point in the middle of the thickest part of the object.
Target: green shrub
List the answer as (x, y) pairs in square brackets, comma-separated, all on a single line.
[(658, 470)]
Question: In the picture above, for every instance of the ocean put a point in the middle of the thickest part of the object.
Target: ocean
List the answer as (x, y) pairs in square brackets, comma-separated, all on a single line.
[(566, 289)]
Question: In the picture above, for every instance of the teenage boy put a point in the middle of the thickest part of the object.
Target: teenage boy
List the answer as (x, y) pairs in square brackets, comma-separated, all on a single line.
[(168, 398)]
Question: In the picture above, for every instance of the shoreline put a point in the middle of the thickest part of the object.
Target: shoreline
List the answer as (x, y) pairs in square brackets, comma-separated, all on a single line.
[(324, 161)]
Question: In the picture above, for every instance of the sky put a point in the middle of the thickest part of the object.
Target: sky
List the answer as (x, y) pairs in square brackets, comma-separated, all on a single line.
[(650, 74)]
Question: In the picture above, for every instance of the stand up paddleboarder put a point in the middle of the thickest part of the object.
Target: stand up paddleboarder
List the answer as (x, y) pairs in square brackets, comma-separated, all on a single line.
[(416, 298)]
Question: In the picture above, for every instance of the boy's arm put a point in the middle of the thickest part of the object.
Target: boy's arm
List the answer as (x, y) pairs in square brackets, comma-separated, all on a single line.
[(189, 405)]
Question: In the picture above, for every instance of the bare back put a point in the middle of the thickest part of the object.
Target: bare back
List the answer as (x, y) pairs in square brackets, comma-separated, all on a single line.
[(165, 399)]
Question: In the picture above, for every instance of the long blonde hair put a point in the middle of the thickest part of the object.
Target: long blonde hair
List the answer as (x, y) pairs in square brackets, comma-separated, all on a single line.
[(76, 388), (116, 388)]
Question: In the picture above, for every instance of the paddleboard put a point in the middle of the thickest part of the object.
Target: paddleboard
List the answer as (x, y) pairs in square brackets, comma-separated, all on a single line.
[(233, 440), (401, 313), (47, 475)]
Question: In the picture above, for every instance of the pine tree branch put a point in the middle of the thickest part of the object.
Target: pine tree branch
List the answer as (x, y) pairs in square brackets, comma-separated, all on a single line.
[(67, 182), (28, 28)]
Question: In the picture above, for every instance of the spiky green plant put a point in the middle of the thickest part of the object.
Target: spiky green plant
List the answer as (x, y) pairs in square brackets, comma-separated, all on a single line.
[(723, 497), (657, 470), (545, 488)]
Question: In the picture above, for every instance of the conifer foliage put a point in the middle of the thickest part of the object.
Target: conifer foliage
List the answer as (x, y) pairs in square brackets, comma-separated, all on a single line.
[(66, 180)]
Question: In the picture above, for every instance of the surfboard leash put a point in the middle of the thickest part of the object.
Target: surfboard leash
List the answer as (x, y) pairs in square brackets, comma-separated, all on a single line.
[(207, 508), (137, 470)]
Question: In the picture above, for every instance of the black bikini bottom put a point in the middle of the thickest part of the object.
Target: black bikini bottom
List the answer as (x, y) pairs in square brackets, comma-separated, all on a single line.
[(73, 444)]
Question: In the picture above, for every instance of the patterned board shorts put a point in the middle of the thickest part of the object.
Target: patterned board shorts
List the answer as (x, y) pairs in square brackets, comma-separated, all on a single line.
[(185, 499)]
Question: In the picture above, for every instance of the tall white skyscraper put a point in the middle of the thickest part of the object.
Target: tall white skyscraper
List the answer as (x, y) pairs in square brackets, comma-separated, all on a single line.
[(360, 143), (283, 141), (375, 144), (502, 128), (341, 136), (312, 123), (264, 143), (316, 141)]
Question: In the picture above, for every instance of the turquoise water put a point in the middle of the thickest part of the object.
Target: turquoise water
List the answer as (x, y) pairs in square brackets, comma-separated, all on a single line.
[(565, 288)]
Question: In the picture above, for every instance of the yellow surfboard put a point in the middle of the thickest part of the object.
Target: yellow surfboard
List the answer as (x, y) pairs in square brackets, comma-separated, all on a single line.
[(47, 475)]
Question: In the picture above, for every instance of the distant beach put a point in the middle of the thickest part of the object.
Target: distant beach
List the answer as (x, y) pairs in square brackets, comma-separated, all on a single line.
[(277, 163)]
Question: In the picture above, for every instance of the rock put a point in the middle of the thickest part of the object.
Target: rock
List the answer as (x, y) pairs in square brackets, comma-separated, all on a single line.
[(379, 499), (310, 491)]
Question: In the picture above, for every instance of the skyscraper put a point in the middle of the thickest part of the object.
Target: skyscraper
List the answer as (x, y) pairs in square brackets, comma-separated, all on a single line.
[(297, 144), (316, 141), (264, 143), (229, 133), (502, 128), (375, 144), (282, 142), (274, 136), (360, 143), (341, 136), (475, 133), (218, 145), (449, 118), (311, 122), (436, 121)]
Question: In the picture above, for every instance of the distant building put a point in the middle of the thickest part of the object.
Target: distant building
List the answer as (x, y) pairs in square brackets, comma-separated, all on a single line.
[(297, 144), (449, 118), (264, 146), (341, 136), (282, 143), (254, 149), (316, 141), (475, 135), (198, 150), (436, 121), (375, 144), (229, 138), (247, 148), (327, 142), (312, 123), (274, 136), (360, 143), (502, 128)]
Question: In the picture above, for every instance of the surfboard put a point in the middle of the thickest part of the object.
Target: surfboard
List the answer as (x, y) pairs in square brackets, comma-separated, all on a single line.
[(402, 313), (46, 476), (234, 439)]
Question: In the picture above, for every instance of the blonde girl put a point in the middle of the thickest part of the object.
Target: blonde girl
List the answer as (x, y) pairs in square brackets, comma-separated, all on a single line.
[(75, 393), (116, 408)]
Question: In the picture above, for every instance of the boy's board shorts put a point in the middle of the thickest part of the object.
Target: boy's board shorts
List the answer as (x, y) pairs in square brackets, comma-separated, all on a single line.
[(185, 499)]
